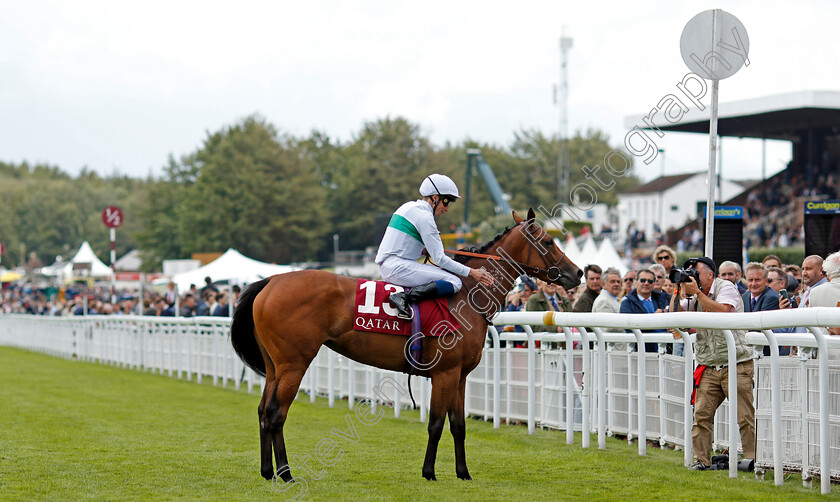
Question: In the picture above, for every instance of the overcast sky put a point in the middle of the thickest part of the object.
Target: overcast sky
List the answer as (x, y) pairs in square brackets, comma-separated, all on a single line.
[(119, 86)]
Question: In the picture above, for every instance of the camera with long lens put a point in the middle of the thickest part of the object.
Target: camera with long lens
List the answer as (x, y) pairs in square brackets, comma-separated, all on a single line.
[(681, 275)]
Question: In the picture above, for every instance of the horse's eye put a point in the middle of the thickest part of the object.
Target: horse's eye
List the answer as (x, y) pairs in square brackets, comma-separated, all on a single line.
[(548, 243)]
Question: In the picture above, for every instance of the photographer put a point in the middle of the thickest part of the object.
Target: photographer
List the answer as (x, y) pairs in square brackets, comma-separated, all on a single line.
[(700, 291)]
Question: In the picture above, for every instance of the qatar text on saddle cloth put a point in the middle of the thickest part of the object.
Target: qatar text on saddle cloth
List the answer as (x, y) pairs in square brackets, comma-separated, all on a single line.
[(373, 313)]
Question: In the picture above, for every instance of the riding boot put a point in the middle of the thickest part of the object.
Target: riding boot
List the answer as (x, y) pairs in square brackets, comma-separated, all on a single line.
[(402, 301)]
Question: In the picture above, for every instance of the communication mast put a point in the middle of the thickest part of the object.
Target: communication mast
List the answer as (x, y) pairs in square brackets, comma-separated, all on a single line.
[(563, 101)]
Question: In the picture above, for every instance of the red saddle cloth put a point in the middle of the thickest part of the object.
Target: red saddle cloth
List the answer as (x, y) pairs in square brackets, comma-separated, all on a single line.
[(373, 313)]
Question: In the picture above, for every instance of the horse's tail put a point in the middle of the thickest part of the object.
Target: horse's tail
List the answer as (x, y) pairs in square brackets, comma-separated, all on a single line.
[(242, 334)]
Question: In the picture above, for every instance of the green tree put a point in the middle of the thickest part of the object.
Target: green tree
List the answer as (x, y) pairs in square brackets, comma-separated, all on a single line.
[(382, 168), (246, 188)]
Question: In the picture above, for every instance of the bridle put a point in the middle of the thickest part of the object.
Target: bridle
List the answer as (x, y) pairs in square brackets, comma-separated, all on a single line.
[(552, 271)]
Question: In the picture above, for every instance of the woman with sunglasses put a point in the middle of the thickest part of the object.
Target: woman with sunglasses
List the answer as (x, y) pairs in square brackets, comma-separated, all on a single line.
[(413, 228)]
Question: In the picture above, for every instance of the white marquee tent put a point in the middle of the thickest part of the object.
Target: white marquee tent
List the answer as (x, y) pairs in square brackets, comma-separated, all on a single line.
[(571, 248), (85, 254), (232, 266), (608, 257), (589, 253)]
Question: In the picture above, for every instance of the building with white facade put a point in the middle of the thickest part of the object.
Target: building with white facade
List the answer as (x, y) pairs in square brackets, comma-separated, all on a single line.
[(669, 201)]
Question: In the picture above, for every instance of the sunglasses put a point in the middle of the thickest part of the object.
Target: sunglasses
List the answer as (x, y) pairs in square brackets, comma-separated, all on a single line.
[(446, 201), (646, 281), (663, 257), (628, 279)]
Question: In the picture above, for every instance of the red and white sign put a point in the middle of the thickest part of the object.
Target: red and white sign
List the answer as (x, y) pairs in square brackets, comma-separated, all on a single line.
[(112, 217)]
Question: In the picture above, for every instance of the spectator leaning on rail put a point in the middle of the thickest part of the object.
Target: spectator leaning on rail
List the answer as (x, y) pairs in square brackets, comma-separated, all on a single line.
[(812, 276), (761, 296), (711, 376), (644, 300), (545, 300), (828, 294), (731, 271), (778, 280), (607, 300), (593, 289)]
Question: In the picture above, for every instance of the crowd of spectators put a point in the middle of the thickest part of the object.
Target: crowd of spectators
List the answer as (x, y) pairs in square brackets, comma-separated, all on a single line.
[(77, 299), (769, 285)]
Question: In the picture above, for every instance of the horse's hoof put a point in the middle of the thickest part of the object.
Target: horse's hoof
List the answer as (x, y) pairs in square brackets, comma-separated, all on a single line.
[(285, 474), (465, 476), (268, 474), (430, 476)]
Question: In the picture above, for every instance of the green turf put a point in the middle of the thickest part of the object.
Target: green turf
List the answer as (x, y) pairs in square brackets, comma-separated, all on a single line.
[(74, 431)]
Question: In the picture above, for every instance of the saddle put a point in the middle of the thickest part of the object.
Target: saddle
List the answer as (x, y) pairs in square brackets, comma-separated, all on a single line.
[(373, 313)]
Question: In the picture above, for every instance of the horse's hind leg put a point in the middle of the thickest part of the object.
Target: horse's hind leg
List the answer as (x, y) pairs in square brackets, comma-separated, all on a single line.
[(277, 408), (458, 428), (266, 465), (443, 387)]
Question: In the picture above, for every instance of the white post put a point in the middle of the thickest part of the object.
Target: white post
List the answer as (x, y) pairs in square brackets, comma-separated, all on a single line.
[(351, 377), (532, 380), (642, 405), (497, 387), (776, 408), (688, 353), (825, 430), (734, 435), (570, 387), (330, 383), (602, 389), (586, 383), (710, 205)]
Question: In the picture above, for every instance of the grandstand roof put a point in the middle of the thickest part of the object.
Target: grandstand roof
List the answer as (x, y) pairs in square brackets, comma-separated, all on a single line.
[(780, 116)]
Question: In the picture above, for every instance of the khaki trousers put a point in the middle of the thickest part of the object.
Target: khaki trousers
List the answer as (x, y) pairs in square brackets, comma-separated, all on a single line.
[(714, 387)]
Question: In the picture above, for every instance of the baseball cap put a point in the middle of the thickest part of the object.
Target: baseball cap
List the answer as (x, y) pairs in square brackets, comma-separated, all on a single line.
[(705, 260)]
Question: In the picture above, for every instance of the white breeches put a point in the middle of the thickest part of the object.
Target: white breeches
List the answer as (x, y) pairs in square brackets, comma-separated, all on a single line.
[(410, 273)]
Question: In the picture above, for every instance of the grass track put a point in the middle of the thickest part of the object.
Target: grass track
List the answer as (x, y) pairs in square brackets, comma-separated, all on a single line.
[(79, 431)]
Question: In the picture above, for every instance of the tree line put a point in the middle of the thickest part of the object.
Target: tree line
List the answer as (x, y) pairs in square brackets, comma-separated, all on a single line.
[(275, 197)]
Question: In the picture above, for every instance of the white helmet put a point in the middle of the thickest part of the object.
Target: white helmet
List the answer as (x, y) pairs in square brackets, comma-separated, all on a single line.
[(438, 184)]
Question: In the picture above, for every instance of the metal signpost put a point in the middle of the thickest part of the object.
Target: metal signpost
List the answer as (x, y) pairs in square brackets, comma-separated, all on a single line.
[(714, 45), (112, 217)]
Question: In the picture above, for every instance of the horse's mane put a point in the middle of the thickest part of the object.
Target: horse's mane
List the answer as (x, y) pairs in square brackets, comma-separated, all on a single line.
[(482, 249)]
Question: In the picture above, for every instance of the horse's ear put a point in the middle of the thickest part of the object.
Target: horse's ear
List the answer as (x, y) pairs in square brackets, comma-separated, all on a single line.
[(518, 219), (531, 214)]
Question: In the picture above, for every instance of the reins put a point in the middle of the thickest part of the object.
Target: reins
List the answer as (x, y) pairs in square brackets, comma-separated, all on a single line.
[(533, 270)]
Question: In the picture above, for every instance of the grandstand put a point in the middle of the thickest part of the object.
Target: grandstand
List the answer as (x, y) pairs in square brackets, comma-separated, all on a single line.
[(810, 120)]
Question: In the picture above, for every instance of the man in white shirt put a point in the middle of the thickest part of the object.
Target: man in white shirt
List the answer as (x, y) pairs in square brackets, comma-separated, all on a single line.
[(828, 294), (812, 276), (607, 300)]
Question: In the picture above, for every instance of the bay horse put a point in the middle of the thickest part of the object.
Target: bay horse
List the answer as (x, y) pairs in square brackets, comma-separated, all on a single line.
[(281, 322)]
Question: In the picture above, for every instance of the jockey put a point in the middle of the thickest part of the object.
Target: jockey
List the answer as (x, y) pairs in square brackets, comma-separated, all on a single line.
[(412, 228)]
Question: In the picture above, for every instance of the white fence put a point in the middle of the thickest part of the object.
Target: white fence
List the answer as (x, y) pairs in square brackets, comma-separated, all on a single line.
[(797, 417)]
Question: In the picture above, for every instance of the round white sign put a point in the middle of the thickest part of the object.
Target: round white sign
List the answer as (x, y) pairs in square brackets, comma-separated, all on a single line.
[(714, 45)]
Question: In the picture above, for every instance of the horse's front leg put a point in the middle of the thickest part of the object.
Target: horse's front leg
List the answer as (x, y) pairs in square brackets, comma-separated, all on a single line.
[(457, 425), (443, 388)]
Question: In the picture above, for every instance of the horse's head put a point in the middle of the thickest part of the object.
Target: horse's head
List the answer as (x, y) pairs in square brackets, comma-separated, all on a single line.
[(529, 244)]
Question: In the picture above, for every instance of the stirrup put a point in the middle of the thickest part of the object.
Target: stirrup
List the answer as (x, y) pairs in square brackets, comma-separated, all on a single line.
[(403, 316)]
